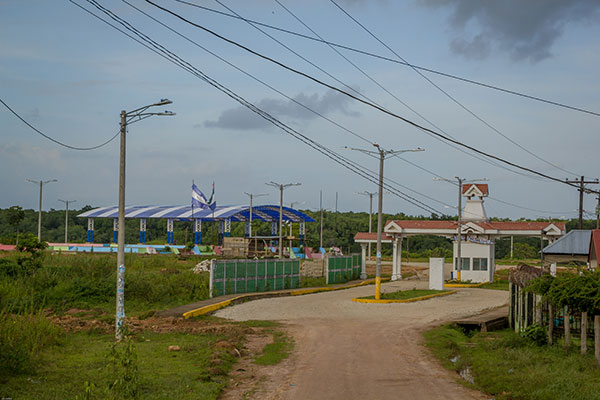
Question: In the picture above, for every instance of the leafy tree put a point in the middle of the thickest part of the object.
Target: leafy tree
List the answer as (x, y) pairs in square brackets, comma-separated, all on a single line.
[(15, 216)]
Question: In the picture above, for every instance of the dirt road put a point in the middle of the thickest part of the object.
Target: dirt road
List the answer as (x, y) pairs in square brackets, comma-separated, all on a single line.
[(347, 350)]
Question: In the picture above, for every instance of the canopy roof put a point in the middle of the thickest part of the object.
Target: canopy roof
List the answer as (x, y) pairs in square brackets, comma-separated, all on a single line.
[(268, 213), (576, 242)]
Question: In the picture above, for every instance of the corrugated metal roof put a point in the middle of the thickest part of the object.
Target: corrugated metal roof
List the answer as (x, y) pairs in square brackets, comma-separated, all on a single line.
[(574, 242), (267, 213)]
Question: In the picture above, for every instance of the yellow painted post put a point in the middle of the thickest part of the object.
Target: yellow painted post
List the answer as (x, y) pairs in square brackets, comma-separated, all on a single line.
[(378, 288)]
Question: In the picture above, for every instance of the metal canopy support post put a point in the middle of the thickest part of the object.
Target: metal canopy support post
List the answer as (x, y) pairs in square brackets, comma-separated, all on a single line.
[(90, 232), (169, 231), (142, 230), (198, 231), (274, 232), (302, 232), (227, 228), (221, 230), (115, 230)]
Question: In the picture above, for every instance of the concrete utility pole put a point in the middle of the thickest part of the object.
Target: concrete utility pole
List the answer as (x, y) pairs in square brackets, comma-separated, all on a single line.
[(382, 155), (598, 213), (127, 118), (252, 195), (281, 187), (582, 182), (67, 217), (370, 194), (41, 183), (461, 182)]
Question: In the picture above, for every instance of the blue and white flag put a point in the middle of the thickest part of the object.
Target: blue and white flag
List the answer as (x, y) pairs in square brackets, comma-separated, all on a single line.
[(200, 201)]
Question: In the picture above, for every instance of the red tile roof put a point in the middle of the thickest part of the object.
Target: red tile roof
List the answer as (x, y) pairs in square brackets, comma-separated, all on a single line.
[(371, 236), (424, 224), (481, 186)]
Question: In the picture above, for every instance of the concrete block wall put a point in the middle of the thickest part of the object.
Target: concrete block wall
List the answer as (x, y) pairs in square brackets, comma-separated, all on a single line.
[(312, 268)]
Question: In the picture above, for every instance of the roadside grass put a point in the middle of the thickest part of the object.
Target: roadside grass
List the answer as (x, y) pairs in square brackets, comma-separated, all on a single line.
[(406, 294), (87, 281), (506, 366), (197, 371), (500, 280), (275, 352), (308, 282)]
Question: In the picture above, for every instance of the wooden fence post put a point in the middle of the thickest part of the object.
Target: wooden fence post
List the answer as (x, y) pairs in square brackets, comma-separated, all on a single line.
[(550, 324), (567, 324), (597, 338), (583, 332)]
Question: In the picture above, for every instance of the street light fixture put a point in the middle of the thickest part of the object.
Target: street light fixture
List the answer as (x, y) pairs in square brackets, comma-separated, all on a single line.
[(252, 195), (281, 187), (382, 155), (41, 183), (67, 218), (461, 182), (127, 118)]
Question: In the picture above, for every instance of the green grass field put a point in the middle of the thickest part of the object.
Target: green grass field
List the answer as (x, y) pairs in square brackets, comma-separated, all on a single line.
[(507, 366)]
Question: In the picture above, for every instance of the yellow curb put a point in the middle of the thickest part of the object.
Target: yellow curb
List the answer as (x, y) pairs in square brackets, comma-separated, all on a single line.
[(294, 292), (429, 296), (464, 285)]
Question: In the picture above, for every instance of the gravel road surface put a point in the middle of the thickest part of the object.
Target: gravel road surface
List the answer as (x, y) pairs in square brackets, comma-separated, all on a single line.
[(346, 350)]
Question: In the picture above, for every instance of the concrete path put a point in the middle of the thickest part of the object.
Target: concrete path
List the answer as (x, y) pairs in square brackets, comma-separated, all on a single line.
[(346, 350)]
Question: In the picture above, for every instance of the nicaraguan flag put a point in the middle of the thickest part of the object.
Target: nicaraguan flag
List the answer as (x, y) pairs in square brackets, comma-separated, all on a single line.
[(199, 200)]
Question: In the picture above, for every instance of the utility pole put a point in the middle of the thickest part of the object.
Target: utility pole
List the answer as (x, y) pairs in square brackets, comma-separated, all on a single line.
[(252, 195), (41, 183), (370, 194), (335, 216), (321, 208), (582, 182), (127, 118), (598, 213), (281, 187), (382, 155), (67, 218), (461, 182)]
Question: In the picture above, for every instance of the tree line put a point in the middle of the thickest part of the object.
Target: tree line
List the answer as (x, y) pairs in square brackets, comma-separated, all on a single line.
[(339, 229)]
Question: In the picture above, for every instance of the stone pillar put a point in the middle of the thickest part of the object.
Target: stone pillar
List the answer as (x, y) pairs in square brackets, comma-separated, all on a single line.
[(169, 231), (363, 266), (395, 259), (553, 269), (115, 229), (142, 230), (90, 233)]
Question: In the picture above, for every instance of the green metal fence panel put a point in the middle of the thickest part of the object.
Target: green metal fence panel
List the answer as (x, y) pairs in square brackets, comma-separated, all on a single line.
[(341, 269), (248, 276)]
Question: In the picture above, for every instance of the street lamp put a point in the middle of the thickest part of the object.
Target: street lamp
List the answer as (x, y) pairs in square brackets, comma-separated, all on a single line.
[(382, 155), (252, 195), (461, 182), (67, 218), (41, 183), (127, 118), (281, 187)]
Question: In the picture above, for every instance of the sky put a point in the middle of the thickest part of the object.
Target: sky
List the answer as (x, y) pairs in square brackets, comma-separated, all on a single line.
[(69, 75)]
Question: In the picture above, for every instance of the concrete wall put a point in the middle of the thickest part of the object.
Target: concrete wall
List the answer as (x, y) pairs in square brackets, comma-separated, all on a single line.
[(472, 250), (312, 268)]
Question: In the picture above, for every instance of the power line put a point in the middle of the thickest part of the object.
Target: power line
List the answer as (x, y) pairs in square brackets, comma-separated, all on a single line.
[(284, 95), (454, 99), (383, 110), (54, 140), (370, 54), (476, 156), (172, 57)]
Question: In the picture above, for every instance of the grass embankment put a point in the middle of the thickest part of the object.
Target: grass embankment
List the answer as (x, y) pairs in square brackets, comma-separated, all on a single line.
[(88, 281), (507, 366), (406, 294)]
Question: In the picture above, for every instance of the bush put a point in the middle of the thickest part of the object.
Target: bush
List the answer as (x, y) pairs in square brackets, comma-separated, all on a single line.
[(536, 334), (22, 338)]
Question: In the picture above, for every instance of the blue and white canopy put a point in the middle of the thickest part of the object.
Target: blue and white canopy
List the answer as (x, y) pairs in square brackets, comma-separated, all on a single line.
[(268, 213)]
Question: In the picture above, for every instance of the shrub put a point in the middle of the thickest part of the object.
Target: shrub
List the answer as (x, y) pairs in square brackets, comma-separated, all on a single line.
[(536, 334), (22, 338)]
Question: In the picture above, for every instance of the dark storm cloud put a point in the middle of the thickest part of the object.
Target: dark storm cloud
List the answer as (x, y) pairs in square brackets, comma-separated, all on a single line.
[(240, 118), (525, 29)]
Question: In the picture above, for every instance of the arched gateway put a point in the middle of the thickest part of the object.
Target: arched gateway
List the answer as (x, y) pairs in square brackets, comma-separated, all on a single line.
[(478, 236)]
